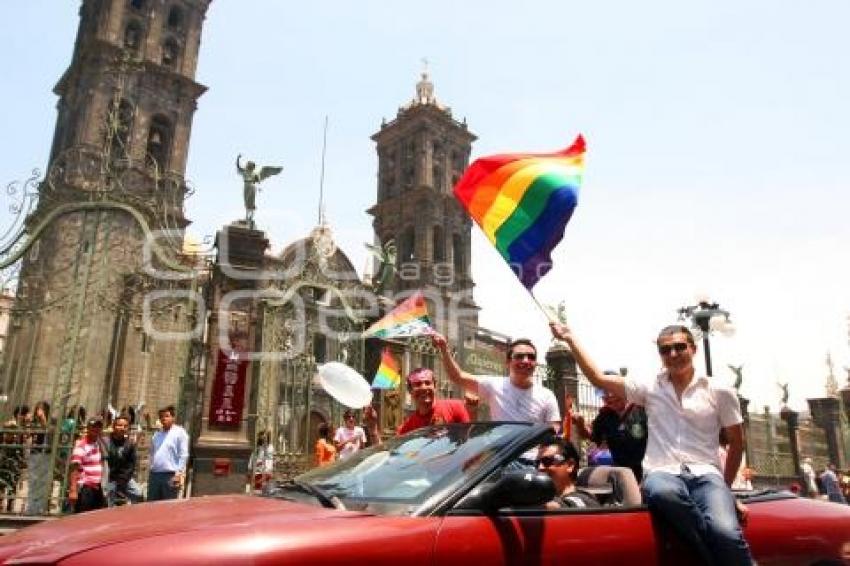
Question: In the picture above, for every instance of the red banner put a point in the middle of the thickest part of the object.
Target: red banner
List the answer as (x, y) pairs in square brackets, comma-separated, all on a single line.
[(228, 390)]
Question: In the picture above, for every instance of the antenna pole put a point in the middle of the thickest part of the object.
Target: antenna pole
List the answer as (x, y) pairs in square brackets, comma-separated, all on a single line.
[(322, 175)]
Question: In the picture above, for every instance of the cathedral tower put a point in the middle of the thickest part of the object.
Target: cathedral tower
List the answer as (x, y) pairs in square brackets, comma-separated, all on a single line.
[(84, 329), (421, 155)]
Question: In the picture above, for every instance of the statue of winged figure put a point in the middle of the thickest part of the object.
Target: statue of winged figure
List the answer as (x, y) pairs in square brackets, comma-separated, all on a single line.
[(386, 255), (739, 375), (251, 179), (784, 388)]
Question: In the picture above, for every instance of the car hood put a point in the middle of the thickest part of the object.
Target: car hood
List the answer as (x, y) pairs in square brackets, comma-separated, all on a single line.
[(54, 540)]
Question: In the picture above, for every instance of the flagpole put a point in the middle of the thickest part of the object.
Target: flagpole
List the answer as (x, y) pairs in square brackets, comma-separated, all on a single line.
[(541, 307)]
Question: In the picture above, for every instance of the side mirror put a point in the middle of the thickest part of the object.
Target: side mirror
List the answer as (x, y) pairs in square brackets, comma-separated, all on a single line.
[(518, 489)]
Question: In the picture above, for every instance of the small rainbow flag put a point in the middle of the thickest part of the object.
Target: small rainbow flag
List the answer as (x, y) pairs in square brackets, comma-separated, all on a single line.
[(409, 318), (388, 375), (523, 202)]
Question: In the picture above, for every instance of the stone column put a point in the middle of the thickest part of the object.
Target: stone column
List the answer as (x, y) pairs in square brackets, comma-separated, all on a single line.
[(221, 454), (791, 419), (562, 364), (745, 414), (826, 414)]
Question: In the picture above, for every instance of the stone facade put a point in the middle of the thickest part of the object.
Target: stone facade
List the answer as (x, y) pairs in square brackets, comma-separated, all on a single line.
[(81, 331), (421, 155)]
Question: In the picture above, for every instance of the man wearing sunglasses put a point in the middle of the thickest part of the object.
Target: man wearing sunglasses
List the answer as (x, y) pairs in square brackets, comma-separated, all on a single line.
[(559, 460), (512, 398), (683, 482)]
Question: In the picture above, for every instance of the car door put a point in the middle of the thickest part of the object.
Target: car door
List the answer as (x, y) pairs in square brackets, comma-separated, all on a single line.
[(538, 536)]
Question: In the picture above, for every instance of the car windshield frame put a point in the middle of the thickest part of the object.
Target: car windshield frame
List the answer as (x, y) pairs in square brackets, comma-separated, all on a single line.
[(415, 473)]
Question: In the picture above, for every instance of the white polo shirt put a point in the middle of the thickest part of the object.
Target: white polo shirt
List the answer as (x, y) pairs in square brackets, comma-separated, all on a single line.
[(684, 432), (507, 402)]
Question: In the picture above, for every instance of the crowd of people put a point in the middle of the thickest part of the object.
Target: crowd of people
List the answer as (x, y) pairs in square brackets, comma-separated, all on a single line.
[(100, 465)]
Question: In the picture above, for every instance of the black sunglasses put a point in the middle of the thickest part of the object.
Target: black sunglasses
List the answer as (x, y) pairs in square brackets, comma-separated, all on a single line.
[(549, 461), (519, 356), (667, 348)]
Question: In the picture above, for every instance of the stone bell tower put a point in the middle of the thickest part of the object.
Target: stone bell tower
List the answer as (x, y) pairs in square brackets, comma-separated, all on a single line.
[(421, 155), (83, 330)]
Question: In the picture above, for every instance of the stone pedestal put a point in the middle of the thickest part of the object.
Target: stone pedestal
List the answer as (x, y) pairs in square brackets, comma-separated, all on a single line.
[(745, 414), (791, 419), (826, 413), (222, 453), (562, 364)]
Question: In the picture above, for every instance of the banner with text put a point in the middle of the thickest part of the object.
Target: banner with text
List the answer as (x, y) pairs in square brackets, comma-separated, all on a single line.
[(228, 390)]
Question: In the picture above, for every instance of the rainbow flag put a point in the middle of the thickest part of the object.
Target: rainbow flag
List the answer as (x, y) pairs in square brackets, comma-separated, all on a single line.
[(389, 374), (409, 318), (523, 202)]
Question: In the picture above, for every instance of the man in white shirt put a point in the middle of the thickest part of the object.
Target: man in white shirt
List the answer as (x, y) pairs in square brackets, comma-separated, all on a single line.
[(512, 398), (682, 478)]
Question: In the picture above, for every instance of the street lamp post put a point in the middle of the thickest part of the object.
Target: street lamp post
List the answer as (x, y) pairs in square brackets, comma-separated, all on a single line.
[(708, 317)]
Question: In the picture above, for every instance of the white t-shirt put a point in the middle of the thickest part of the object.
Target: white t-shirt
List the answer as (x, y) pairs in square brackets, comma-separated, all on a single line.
[(508, 402), (684, 432), (344, 434)]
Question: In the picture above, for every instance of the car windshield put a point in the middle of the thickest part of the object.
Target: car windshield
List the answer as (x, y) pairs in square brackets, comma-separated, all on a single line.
[(403, 473)]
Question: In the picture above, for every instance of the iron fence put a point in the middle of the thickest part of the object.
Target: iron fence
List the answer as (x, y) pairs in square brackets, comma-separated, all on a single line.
[(35, 470)]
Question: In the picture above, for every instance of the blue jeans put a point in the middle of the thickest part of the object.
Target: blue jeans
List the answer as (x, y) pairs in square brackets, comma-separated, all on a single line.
[(161, 486), (702, 510)]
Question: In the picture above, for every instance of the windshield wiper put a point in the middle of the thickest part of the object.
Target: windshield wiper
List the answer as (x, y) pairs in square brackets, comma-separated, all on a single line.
[(326, 499)]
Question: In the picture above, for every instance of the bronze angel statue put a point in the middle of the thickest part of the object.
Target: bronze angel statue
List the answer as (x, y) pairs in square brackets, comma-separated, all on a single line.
[(386, 255), (251, 179), (784, 388), (739, 375)]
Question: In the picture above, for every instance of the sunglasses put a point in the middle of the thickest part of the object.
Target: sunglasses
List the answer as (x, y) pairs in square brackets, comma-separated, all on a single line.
[(549, 461), (667, 348), (518, 357)]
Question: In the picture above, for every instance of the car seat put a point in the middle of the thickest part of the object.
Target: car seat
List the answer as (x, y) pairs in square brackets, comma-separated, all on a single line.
[(613, 485)]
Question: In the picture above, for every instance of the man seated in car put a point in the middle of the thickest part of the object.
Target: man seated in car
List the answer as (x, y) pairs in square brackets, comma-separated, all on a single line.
[(559, 460)]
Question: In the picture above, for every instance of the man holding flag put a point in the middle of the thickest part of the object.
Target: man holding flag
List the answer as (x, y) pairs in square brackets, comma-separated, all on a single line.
[(512, 398), (429, 409)]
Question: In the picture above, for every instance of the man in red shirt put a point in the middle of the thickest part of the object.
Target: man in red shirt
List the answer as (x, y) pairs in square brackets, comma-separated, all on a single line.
[(429, 410), (87, 468)]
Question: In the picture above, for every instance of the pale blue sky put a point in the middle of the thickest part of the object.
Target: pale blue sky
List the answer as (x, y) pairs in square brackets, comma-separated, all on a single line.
[(717, 148)]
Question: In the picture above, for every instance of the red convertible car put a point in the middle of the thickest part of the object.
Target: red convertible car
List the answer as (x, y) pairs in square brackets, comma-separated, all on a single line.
[(452, 494)]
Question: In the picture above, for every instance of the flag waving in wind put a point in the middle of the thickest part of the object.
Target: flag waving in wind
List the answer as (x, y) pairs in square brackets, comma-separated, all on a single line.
[(389, 374), (523, 202), (409, 318)]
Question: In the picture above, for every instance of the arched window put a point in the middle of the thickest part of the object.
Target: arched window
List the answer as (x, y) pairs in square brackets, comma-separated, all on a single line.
[(138, 5), (438, 241), (458, 253), (120, 126), (133, 36), (170, 52), (175, 19), (320, 348), (159, 142), (407, 250)]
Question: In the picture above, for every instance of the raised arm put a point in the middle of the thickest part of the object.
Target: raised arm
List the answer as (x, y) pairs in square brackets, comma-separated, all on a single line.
[(612, 383), (457, 375)]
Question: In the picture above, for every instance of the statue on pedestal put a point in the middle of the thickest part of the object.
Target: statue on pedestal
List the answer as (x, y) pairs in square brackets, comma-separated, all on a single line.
[(386, 255), (739, 376), (251, 180), (784, 388)]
